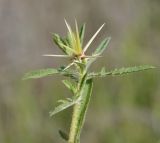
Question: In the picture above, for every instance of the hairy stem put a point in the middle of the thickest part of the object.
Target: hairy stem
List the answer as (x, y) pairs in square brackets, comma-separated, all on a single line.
[(79, 112)]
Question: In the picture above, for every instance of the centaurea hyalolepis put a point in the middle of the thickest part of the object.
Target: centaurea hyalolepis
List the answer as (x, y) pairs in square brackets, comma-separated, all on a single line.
[(80, 80)]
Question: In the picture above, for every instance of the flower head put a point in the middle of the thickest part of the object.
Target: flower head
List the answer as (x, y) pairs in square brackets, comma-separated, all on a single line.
[(72, 45)]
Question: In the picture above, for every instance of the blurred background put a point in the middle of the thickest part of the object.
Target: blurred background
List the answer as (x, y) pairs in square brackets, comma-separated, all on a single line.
[(123, 109)]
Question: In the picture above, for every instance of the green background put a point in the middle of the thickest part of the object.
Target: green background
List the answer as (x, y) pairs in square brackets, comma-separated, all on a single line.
[(123, 109)]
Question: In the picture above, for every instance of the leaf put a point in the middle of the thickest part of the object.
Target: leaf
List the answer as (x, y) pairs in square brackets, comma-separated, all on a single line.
[(58, 42), (77, 37), (81, 33), (40, 73), (68, 40), (84, 102), (68, 73), (62, 44), (46, 72), (68, 102), (83, 82), (63, 135), (64, 105), (103, 45), (121, 71), (70, 86), (100, 49)]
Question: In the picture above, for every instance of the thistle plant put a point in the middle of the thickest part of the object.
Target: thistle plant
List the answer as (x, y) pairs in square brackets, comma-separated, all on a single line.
[(78, 78)]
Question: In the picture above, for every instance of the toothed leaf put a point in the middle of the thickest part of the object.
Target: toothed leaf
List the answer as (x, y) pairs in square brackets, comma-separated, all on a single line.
[(121, 71), (64, 105), (62, 44), (50, 71), (68, 73), (71, 101), (85, 99), (70, 86), (103, 45), (58, 41), (100, 49), (40, 73)]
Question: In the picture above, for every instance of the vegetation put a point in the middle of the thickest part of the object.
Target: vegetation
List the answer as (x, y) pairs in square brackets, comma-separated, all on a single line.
[(79, 78)]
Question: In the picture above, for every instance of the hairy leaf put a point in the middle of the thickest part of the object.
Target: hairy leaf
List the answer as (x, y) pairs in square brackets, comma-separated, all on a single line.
[(40, 73), (103, 45), (70, 86), (59, 42), (68, 73), (100, 49), (68, 102), (62, 44), (64, 105), (82, 107), (46, 72), (121, 71)]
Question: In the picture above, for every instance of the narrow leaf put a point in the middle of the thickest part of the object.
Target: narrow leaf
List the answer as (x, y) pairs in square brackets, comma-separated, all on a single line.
[(103, 45), (63, 135), (46, 72), (66, 104), (40, 73), (78, 42), (70, 85), (69, 50), (81, 33), (75, 99), (83, 81), (100, 49), (84, 102), (62, 44), (57, 40), (121, 71), (68, 73)]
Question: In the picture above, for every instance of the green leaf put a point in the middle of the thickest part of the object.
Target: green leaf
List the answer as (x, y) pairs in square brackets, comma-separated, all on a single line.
[(81, 33), (85, 96), (62, 44), (83, 82), (64, 105), (121, 71), (68, 73), (46, 72), (100, 49), (103, 45), (68, 102), (67, 41), (59, 42), (40, 73), (63, 135), (70, 86)]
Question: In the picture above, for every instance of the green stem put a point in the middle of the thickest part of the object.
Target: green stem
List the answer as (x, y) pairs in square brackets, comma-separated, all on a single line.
[(79, 112)]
